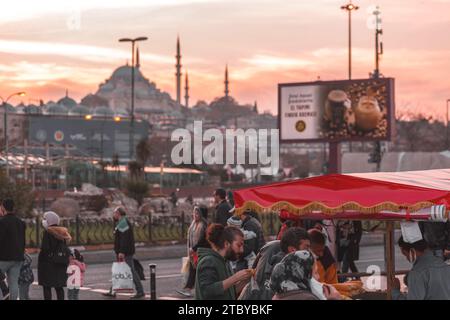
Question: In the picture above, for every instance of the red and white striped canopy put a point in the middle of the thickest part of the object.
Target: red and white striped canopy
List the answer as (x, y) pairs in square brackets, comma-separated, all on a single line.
[(379, 195)]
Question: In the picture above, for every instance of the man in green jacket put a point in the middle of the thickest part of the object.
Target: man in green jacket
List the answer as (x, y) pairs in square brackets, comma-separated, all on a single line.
[(214, 279)]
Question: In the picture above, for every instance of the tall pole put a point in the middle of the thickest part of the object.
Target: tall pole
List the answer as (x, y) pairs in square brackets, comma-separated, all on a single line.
[(132, 102), (376, 155), (133, 54), (349, 8), (5, 118), (349, 44), (446, 126)]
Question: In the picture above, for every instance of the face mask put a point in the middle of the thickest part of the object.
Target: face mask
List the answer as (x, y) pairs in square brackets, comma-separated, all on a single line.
[(317, 289), (45, 224)]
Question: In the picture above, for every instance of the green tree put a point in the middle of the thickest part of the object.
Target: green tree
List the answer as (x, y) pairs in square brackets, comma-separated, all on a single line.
[(135, 169), (143, 152), (20, 192), (137, 189)]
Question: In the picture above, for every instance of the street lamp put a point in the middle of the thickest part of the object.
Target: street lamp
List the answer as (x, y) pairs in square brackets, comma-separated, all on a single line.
[(446, 125), (349, 7), (5, 117), (133, 54)]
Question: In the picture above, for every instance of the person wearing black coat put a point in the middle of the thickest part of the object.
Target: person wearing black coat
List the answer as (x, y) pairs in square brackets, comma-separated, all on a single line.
[(12, 246), (222, 207), (124, 247), (349, 237), (53, 258), (249, 223)]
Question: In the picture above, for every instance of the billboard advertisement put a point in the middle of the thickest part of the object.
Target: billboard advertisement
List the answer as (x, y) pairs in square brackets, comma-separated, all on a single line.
[(347, 110), (92, 138)]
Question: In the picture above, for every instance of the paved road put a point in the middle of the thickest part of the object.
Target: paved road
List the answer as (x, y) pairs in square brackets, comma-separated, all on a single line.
[(98, 276)]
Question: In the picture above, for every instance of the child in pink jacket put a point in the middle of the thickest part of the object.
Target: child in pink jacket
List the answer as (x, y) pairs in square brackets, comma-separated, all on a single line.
[(75, 274)]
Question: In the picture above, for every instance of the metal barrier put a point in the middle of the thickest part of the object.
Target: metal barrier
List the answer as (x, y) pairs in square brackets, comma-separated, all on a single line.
[(147, 229)]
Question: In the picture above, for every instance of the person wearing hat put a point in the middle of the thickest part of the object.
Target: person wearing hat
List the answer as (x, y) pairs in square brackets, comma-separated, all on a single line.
[(253, 244), (245, 261), (429, 278), (12, 246), (54, 256)]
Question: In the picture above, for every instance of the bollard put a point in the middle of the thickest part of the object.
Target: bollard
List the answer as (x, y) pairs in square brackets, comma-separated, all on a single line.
[(152, 281)]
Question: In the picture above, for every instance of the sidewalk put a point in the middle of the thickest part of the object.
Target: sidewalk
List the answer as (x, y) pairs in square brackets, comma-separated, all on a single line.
[(173, 251)]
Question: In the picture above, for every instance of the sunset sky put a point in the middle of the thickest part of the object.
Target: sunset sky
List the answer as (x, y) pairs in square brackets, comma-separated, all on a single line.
[(47, 46)]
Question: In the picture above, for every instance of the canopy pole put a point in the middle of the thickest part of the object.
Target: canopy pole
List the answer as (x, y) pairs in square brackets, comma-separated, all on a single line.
[(389, 252), (334, 160)]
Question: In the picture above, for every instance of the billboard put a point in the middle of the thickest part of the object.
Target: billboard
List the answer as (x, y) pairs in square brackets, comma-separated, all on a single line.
[(92, 138), (347, 110)]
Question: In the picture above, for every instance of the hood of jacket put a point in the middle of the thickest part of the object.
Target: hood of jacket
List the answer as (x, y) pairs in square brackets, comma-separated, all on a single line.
[(60, 233), (207, 252)]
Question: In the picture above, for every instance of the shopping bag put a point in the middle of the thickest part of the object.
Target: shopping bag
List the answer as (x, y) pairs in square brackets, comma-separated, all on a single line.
[(122, 277)]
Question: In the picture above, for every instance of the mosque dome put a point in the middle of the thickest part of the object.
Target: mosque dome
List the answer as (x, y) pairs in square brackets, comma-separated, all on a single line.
[(57, 109), (79, 110), (67, 101), (103, 111)]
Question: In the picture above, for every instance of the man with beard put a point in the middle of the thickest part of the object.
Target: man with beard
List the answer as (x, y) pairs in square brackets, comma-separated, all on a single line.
[(214, 278)]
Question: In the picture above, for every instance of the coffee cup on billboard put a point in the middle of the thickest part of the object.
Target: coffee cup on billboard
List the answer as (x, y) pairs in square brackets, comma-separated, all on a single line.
[(367, 112), (337, 106)]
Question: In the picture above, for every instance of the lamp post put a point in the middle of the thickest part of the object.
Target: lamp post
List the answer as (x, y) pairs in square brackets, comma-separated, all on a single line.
[(5, 117), (446, 126), (349, 8), (133, 54)]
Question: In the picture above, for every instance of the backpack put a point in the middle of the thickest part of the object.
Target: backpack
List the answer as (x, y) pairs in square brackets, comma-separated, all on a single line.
[(258, 288)]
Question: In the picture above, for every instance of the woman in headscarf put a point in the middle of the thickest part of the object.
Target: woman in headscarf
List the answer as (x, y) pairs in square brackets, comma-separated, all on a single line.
[(196, 239), (54, 256), (292, 279)]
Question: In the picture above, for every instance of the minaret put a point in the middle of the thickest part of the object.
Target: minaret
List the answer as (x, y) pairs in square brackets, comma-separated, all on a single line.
[(186, 91), (227, 91), (178, 73), (255, 107)]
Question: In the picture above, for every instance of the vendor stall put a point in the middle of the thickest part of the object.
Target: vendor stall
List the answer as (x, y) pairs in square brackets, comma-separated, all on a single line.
[(388, 196)]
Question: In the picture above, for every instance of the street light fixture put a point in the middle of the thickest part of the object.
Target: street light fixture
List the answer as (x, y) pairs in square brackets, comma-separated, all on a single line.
[(133, 54), (446, 126), (5, 117), (349, 8)]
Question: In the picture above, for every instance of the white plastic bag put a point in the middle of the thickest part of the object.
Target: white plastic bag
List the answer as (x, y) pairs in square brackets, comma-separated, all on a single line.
[(122, 278)]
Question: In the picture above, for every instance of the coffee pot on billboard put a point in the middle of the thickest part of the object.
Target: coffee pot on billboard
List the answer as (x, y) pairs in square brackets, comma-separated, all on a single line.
[(367, 112), (338, 111)]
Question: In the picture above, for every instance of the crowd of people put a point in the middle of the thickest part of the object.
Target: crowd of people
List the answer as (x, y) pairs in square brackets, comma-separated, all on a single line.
[(235, 262), (228, 257), (58, 265)]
